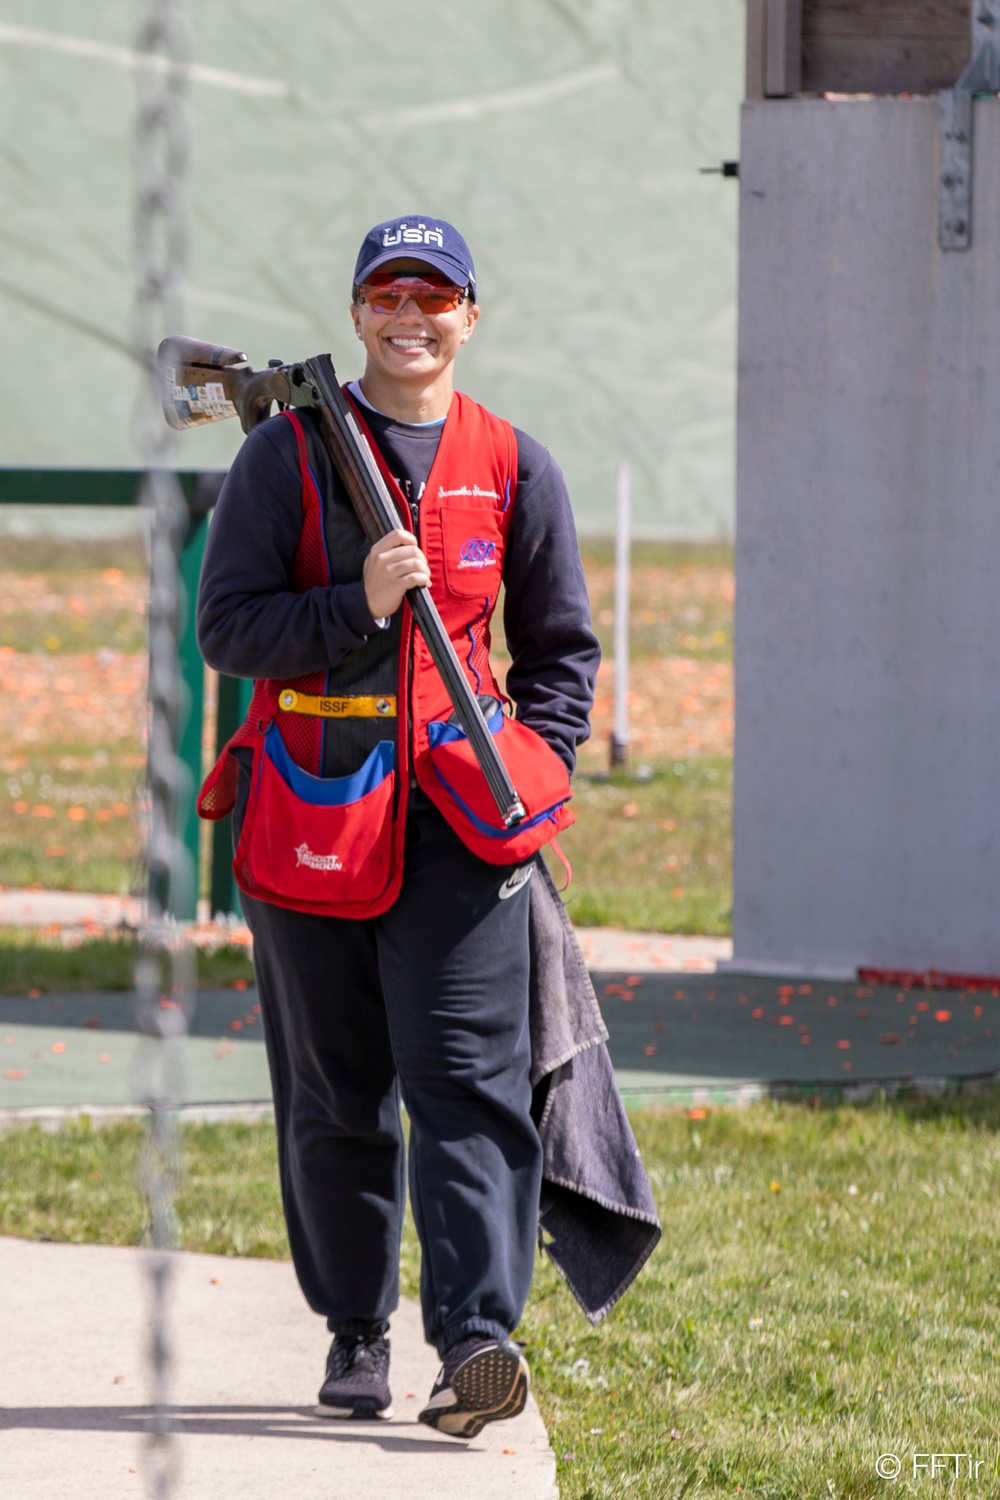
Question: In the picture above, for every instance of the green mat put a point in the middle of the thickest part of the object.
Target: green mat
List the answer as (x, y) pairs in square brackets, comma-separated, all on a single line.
[(674, 1039), (76, 1050), (712, 1037)]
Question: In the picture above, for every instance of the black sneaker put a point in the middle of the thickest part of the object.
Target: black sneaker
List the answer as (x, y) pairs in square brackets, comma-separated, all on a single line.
[(357, 1378), (482, 1380)]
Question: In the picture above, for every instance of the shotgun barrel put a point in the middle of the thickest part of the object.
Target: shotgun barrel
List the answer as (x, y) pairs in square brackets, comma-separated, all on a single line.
[(201, 382), (355, 463)]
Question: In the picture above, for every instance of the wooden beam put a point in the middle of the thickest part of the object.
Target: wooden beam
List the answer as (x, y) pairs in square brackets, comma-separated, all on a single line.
[(910, 20), (884, 46), (880, 65), (855, 46)]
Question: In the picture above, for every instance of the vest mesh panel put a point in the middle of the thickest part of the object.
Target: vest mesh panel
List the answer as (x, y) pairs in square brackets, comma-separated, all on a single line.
[(479, 657)]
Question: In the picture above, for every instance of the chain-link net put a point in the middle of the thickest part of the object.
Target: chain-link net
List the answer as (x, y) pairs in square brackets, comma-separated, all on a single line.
[(164, 993)]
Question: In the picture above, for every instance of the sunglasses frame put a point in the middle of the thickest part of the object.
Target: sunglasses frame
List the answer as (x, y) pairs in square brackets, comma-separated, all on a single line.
[(411, 286)]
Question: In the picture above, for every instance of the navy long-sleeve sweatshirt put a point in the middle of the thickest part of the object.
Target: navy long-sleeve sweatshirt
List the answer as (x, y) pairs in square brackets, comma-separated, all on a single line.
[(251, 622)]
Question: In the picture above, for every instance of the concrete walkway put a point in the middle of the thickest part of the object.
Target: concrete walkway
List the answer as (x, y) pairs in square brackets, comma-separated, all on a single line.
[(249, 1358), (603, 947), (27, 908)]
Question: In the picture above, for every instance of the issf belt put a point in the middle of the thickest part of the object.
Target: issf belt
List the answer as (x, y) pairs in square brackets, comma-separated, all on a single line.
[(350, 707)]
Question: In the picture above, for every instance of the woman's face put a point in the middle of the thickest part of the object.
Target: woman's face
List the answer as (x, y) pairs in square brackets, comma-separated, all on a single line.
[(409, 345)]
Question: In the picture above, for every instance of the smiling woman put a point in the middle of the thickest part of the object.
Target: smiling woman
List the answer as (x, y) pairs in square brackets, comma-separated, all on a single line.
[(413, 312), (424, 988)]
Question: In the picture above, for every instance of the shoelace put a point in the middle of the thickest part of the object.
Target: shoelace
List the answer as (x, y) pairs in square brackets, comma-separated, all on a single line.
[(348, 1353)]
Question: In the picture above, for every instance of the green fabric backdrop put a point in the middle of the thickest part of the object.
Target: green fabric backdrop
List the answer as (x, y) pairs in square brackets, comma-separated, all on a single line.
[(564, 137)]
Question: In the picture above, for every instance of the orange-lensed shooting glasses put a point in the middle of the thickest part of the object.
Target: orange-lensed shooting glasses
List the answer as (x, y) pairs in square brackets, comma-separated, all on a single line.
[(386, 292)]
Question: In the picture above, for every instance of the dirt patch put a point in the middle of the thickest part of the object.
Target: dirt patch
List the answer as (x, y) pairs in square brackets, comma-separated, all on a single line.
[(684, 610), (89, 698), (73, 611), (678, 707)]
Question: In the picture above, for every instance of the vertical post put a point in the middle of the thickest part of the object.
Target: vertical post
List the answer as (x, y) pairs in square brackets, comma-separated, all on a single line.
[(200, 491), (623, 544), (165, 963), (184, 904), (234, 702)]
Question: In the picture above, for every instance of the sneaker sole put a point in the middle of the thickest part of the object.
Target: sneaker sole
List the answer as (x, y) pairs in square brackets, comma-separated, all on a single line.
[(489, 1387), (361, 1413)]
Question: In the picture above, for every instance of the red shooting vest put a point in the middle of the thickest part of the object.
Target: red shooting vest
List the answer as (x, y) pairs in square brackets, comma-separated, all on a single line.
[(334, 845)]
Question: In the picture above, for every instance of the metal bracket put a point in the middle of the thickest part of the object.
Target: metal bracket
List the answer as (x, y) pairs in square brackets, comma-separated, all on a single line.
[(981, 75), (955, 212)]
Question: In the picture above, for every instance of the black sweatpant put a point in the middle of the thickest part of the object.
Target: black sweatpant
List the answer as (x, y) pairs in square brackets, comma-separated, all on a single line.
[(428, 1002)]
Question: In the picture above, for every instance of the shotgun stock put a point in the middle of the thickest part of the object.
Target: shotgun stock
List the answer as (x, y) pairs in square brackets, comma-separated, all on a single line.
[(202, 383)]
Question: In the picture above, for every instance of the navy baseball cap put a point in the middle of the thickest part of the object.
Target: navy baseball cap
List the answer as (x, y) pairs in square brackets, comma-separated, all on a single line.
[(432, 240)]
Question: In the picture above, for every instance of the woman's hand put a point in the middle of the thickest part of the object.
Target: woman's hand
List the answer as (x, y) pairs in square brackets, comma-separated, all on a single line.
[(393, 565)]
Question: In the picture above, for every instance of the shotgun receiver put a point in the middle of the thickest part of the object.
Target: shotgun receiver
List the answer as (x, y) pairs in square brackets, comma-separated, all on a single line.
[(202, 383)]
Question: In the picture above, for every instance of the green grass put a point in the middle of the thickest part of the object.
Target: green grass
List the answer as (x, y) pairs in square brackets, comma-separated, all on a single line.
[(78, 1185), (44, 839), (72, 596), (780, 1338), (652, 855), (52, 557), (30, 959), (681, 598), (117, 629)]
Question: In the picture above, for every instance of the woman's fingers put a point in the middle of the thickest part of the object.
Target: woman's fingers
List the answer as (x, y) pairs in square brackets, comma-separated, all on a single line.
[(394, 564), (418, 579), (406, 560), (392, 541)]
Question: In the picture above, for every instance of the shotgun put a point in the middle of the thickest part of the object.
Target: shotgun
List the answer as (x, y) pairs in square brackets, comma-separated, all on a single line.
[(201, 382)]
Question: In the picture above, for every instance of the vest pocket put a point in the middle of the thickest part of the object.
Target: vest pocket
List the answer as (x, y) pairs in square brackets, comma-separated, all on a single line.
[(313, 841), (458, 787), (473, 551)]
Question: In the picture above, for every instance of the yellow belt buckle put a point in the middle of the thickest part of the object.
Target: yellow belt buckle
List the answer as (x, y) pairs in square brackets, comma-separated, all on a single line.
[(360, 706)]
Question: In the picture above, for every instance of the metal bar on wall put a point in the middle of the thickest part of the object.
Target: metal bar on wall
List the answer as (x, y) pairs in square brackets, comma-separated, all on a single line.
[(980, 76), (87, 486), (69, 486), (783, 48), (756, 48)]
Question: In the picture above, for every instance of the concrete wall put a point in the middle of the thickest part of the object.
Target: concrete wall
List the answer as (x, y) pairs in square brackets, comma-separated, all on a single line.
[(867, 793)]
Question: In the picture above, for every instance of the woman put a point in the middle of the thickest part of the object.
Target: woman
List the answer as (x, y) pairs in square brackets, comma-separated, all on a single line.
[(391, 952)]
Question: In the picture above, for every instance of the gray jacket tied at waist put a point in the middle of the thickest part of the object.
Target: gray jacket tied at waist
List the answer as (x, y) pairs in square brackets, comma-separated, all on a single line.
[(597, 1219)]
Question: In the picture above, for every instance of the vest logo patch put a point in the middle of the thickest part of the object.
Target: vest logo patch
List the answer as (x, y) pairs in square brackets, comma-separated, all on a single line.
[(383, 706), (305, 856), (477, 552)]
